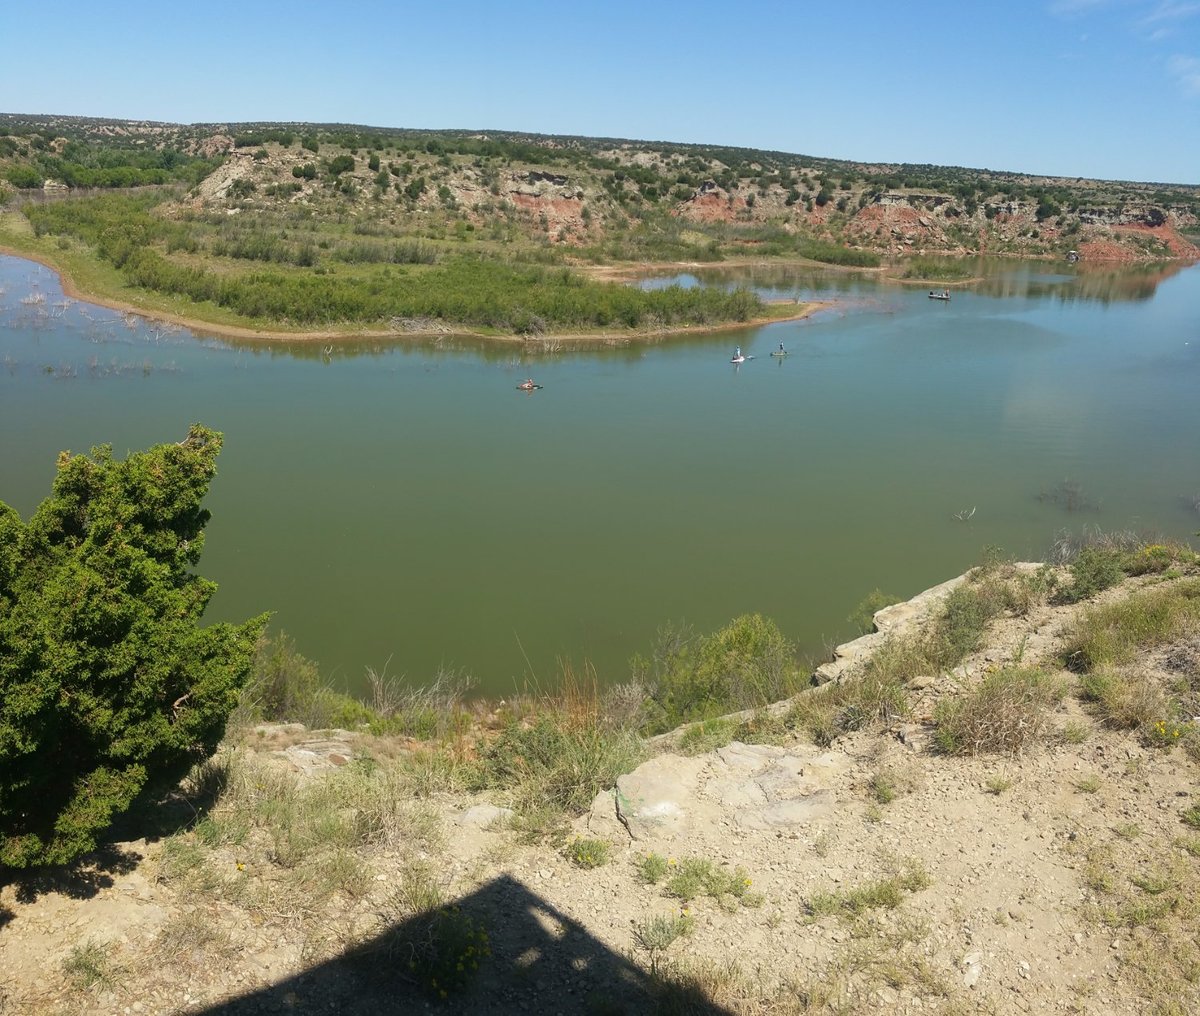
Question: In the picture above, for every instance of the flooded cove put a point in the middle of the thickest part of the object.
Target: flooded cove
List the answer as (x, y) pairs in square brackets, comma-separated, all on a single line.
[(404, 505)]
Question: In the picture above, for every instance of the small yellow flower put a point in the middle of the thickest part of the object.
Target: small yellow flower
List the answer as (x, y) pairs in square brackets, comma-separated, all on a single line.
[(670, 860), (240, 866)]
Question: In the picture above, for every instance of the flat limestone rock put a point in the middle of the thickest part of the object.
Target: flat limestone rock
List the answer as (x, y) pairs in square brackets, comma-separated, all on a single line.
[(762, 787), (749, 786), (660, 796), (480, 816), (311, 757)]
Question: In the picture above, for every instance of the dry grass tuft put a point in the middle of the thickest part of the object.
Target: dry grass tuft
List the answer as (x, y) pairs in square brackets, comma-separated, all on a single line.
[(1008, 711)]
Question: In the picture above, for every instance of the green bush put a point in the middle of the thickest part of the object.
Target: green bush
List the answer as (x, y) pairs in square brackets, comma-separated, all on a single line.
[(746, 664), (108, 686), (863, 615), (1093, 571)]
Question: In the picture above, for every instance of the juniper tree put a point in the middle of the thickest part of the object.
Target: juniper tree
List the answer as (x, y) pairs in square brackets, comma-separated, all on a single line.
[(109, 687)]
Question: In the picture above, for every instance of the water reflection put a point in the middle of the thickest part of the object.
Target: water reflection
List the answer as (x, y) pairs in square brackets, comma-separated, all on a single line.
[(998, 277)]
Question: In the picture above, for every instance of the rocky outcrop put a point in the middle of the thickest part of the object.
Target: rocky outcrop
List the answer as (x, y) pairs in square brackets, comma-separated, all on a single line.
[(741, 786)]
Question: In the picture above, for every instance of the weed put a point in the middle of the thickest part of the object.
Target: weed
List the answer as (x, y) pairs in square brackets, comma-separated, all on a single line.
[(887, 893), (1191, 817), (1006, 712), (442, 949), (1075, 732), (559, 760), (1124, 701), (1154, 558), (1154, 883), (997, 785), (834, 709), (1166, 733), (89, 964), (1088, 784), (585, 853), (658, 933), (883, 788), (706, 736), (1128, 830), (653, 868), (698, 876), (1093, 570)]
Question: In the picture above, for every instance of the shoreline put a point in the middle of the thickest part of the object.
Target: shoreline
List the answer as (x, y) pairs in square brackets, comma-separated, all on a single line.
[(203, 328)]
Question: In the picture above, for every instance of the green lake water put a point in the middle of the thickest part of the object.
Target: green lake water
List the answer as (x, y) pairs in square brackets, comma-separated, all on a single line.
[(406, 506)]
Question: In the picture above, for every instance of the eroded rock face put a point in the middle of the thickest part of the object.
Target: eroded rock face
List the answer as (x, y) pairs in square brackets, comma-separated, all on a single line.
[(747, 786)]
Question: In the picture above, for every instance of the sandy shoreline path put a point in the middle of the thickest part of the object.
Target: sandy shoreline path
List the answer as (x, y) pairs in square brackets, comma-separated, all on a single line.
[(779, 311)]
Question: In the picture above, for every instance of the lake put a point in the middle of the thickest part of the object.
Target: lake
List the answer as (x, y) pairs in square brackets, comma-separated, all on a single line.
[(404, 506)]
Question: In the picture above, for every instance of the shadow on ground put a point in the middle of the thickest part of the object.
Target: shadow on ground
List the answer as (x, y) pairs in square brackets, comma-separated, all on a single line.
[(540, 961), (151, 818)]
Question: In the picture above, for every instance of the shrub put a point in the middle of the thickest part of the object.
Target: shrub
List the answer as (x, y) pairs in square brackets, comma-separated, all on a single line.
[(746, 664), (1007, 711), (108, 686), (863, 615), (1093, 571)]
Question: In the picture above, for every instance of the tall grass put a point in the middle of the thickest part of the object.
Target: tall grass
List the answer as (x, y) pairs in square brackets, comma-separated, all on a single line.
[(1113, 634)]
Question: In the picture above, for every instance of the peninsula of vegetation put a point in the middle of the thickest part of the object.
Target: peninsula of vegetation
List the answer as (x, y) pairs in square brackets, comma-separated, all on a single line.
[(263, 230)]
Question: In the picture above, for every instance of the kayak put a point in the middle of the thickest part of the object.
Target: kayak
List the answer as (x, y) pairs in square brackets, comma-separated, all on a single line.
[(780, 352), (528, 388), (738, 359)]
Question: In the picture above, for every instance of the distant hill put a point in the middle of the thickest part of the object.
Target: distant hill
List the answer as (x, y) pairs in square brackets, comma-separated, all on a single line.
[(341, 213), (590, 192)]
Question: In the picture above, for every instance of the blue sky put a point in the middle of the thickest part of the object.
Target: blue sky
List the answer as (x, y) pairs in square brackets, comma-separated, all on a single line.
[(1097, 88)]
